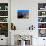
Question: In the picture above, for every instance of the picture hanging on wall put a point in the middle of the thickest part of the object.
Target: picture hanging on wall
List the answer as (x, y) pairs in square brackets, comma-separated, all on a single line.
[(23, 14)]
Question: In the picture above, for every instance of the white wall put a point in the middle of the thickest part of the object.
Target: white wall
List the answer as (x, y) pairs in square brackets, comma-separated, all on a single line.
[(23, 24)]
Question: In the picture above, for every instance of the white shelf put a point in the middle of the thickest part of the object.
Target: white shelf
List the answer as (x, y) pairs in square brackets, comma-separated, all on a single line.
[(41, 28), (3, 22), (41, 10), (3, 16), (41, 22), (42, 16), (3, 10)]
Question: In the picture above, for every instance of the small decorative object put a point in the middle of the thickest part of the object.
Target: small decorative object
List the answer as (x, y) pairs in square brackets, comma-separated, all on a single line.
[(4, 29), (43, 13), (42, 32), (41, 8), (4, 26), (45, 7), (3, 19), (42, 25), (3, 13), (13, 27), (0, 7), (6, 7), (41, 19), (43, 39), (31, 27)]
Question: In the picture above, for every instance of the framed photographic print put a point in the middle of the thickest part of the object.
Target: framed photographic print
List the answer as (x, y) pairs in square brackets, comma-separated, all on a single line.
[(23, 14)]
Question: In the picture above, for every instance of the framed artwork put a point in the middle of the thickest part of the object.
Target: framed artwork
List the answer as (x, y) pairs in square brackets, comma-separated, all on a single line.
[(23, 14)]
